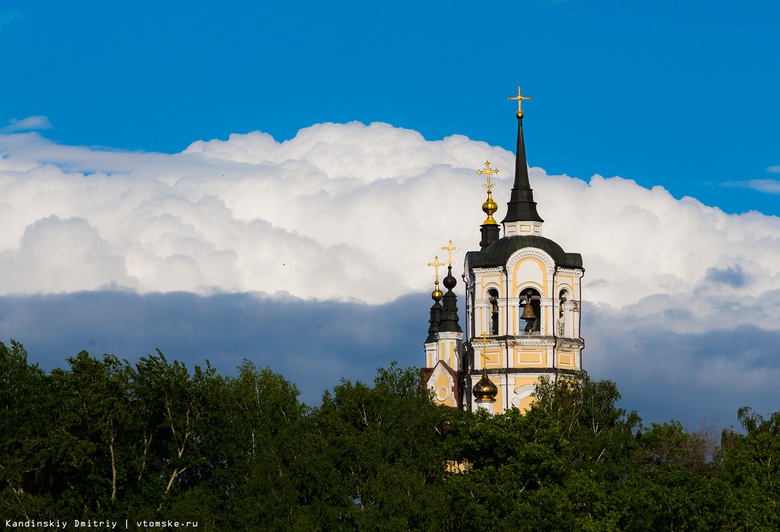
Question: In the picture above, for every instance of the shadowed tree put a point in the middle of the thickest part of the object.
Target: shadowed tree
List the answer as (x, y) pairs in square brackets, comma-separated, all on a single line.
[(386, 445), (23, 425)]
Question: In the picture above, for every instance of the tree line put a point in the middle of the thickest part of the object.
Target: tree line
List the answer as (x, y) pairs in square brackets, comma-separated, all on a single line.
[(108, 440)]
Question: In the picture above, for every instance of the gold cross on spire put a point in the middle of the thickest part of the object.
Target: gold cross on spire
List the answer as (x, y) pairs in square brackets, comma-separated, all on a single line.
[(487, 172), (450, 249), (519, 98), (436, 265)]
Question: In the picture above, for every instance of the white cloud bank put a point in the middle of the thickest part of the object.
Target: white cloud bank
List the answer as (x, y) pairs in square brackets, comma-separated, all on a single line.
[(341, 211), (354, 212)]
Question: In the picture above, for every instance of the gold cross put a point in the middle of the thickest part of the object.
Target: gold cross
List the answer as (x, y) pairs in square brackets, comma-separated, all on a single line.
[(436, 265), (450, 249), (519, 98), (487, 172), (484, 347)]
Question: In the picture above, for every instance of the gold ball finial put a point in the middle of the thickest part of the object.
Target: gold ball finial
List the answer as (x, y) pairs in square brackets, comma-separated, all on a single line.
[(489, 207), (437, 294)]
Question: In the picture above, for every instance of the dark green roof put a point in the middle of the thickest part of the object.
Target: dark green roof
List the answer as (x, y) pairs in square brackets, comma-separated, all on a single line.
[(498, 253)]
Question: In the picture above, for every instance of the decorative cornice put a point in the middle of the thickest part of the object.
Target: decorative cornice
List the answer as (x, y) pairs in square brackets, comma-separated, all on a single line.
[(538, 371)]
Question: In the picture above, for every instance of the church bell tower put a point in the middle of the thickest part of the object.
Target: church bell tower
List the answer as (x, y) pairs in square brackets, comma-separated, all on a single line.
[(523, 306), (522, 300)]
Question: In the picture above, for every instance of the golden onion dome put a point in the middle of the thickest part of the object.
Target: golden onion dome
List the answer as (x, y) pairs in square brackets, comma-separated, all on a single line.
[(485, 390), (489, 208)]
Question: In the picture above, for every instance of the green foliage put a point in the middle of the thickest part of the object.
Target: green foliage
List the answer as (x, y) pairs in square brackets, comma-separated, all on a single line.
[(557, 466), (751, 468), (384, 447), (104, 439), (22, 430)]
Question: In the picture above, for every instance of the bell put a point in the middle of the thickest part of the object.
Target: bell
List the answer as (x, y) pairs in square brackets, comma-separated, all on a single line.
[(528, 312)]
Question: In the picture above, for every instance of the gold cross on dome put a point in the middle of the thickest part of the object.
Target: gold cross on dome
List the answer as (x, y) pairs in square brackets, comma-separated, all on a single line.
[(436, 265), (484, 347), (450, 249), (519, 98), (487, 172)]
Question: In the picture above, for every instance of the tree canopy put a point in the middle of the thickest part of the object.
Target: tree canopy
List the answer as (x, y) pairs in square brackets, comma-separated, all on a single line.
[(108, 440)]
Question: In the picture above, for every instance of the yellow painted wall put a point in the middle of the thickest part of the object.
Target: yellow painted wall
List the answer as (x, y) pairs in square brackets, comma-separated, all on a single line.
[(442, 381), (499, 406), (526, 358), (523, 381), (492, 358)]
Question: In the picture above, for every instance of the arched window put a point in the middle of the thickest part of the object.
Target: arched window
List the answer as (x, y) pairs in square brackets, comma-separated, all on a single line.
[(530, 311), (563, 297), (493, 298)]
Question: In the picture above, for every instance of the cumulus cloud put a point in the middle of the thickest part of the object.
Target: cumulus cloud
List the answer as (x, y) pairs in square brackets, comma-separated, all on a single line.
[(62, 255), (353, 212), (336, 212), (365, 207)]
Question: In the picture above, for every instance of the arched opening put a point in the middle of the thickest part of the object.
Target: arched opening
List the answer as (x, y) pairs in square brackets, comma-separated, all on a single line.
[(530, 311), (563, 298), (493, 299)]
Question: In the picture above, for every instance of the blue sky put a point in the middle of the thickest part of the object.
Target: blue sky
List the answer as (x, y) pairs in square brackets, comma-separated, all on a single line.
[(679, 95)]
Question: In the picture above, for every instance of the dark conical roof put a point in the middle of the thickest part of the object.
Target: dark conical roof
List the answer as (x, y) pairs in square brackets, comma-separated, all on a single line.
[(521, 206), (449, 318), (435, 320)]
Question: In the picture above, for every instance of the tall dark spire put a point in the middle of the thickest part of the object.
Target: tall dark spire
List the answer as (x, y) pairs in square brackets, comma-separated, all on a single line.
[(521, 206)]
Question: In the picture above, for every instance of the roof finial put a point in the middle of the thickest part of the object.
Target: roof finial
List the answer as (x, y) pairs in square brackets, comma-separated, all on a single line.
[(490, 206), (485, 391), (449, 249), (487, 172), (519, 98), (437, 294)]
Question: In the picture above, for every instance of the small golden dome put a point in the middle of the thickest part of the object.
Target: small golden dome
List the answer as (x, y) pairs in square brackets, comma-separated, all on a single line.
[(485, 390), (489, 208), (437, 294)]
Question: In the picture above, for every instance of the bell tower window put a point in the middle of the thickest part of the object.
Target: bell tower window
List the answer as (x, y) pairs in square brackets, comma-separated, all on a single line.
[(562, 298), (530, 311), (493, 299)]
